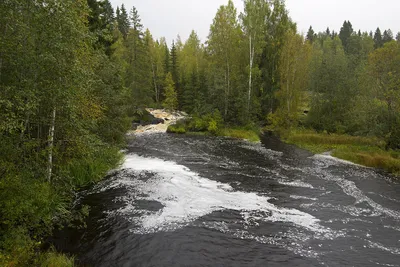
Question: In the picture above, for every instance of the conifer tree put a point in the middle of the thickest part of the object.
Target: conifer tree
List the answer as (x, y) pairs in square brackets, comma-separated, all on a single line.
[(378, 39), (123, 21), (345, 32), (387, 36), (171, 98), (174, 69), (311, 34), (328, 32)]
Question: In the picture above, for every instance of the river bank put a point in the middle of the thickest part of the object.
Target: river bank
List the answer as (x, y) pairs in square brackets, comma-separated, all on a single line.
[(212, 125), (366, 151)]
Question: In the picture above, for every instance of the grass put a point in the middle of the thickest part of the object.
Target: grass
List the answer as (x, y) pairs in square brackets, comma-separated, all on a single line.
[(367, 151), (53, 259), (240, 133), (176, 128), (93, 168)]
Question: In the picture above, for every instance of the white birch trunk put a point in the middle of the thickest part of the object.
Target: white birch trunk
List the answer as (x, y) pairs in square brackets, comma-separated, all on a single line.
[(51, 146), (250, 74)]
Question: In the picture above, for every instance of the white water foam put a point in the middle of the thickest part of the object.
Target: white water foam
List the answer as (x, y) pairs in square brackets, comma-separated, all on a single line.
[(349, 187), (185, 197), (334, 159), (296, 183), (303, 197), (268, 153)]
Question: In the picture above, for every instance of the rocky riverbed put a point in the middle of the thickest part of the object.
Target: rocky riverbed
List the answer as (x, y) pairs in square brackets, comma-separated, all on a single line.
[(162, 119)]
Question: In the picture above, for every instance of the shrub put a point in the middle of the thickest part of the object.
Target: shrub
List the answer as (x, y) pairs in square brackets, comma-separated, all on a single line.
[(176, 128)]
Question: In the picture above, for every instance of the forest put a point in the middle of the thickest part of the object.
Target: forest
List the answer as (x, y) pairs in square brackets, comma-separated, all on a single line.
[(74, 73)]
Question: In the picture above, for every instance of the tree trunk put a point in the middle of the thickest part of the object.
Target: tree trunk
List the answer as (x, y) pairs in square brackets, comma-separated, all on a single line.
[(51, 146), (250, 75), (226, 95), (155, 82), (228, 90)]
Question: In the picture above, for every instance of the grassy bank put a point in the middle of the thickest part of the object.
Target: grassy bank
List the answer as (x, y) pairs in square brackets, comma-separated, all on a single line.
[(233, 132), (211, 124), (367, 151)]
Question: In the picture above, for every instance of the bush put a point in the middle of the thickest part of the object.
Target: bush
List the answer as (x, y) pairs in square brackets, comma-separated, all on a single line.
[(176, 128), (94, 167), (54, 259)]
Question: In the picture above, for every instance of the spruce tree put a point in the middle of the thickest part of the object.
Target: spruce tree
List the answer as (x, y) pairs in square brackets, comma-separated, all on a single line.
[(123, 21), (328, 32), (387, 36), (175, 72), (311, 34), (378, 39), (345, 32)]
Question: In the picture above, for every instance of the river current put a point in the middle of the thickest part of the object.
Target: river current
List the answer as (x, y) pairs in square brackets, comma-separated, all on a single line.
[(182, 200)]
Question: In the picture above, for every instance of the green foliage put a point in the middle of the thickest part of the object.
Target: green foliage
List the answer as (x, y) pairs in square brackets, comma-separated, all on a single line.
[(367, 151), (171, 97), (241, 133), (178, 128), (92, 168), (52, 59), (53, 259), (212, 124), (345, 33)]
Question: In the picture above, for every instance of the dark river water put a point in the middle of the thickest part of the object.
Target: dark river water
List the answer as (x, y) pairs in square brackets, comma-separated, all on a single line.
[(202, 201)]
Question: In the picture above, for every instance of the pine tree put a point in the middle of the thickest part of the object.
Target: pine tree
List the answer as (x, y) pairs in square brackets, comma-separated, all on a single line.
[(398, 37), (171, 97)]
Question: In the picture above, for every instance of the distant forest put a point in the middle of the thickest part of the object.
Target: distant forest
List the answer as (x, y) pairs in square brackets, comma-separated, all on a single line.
[(74, 73)]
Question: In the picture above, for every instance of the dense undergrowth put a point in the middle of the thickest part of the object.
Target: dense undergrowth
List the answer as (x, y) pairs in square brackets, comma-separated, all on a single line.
[(31, 207), (367, 151)]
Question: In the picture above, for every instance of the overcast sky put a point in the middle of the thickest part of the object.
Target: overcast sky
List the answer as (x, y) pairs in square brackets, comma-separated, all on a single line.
[(169, 18)]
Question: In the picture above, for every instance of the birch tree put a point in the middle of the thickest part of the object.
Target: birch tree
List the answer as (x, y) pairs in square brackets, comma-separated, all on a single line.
[(254, 20), (294, 79), (223, 42)]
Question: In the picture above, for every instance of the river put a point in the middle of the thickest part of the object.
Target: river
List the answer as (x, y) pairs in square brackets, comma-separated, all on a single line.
[(204, 201)]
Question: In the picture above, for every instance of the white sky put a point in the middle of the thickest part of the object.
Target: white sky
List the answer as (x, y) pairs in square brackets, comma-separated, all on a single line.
[(169, 18)]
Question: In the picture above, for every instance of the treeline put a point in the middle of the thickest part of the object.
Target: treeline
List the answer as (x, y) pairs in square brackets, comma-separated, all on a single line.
[(355, 83)]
